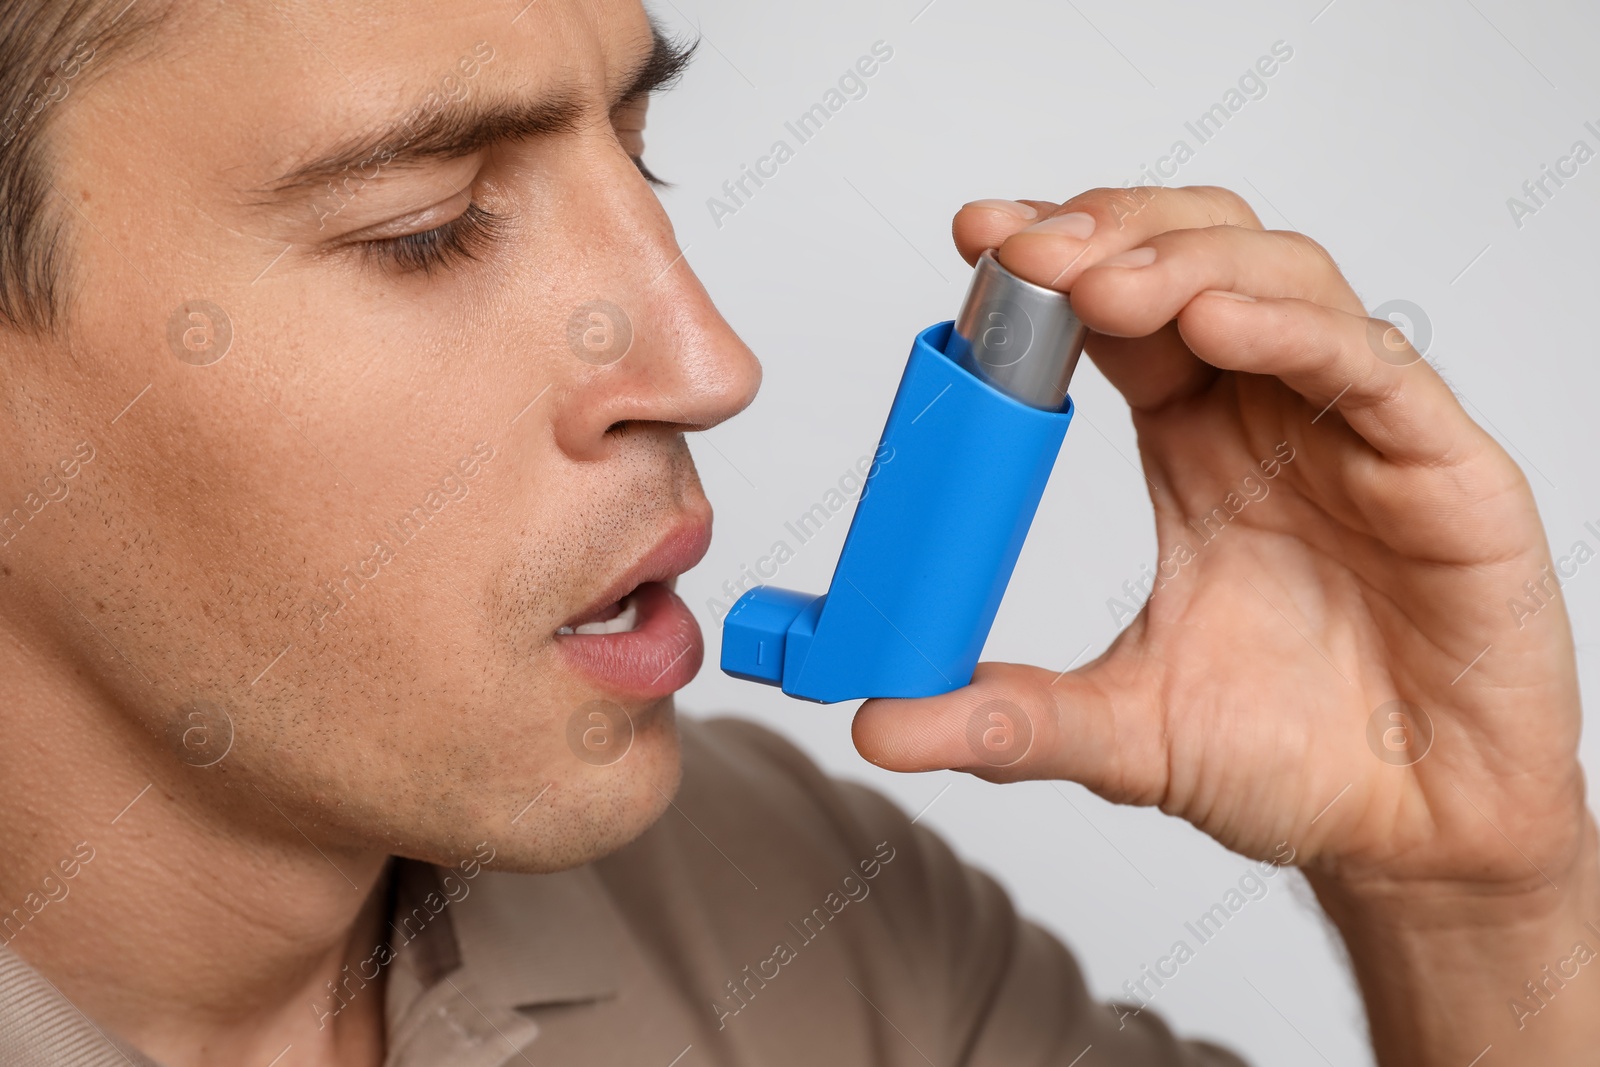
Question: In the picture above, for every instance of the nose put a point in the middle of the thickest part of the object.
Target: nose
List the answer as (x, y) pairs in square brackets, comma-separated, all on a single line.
[(655, 350)]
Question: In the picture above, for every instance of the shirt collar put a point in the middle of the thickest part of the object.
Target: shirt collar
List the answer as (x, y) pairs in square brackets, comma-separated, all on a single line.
[(519, 940)]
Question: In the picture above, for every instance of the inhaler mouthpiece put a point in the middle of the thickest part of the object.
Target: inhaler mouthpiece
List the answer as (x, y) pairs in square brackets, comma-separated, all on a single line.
[(1021, 338)]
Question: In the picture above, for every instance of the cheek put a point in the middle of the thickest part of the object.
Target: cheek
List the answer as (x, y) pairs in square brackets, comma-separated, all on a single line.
[(291, 482)]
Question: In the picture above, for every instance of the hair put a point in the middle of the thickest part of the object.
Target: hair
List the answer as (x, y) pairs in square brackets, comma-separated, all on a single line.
[(48, 49)]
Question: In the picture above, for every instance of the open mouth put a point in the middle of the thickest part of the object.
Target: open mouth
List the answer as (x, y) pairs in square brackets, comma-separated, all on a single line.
[(618, 617), (638, 640), (644, 646)]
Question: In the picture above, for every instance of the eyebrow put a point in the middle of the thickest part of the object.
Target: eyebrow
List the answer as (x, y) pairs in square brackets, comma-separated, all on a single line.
[(459, 128)]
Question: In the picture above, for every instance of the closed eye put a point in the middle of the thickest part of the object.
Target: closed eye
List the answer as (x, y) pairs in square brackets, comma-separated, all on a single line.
[(465, 237)]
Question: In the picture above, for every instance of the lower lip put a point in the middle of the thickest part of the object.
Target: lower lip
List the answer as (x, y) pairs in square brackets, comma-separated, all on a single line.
[(659, 656)]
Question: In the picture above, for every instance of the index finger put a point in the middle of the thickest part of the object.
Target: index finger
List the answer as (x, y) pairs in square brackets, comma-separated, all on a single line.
[(1098, 224), (983, 224)]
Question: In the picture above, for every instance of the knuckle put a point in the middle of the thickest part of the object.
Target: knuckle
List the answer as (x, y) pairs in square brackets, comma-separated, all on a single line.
[(1309, 247), (1202, 205), (1116, 204), (1224, 206)]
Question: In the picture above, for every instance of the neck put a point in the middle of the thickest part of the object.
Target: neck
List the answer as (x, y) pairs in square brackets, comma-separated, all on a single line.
[(174, 904)]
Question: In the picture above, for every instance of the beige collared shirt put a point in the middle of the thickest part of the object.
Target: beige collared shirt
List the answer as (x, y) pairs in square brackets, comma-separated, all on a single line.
[(773, 916)]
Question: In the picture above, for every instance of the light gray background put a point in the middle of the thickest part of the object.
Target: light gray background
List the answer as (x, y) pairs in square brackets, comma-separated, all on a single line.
[(1394, 135)]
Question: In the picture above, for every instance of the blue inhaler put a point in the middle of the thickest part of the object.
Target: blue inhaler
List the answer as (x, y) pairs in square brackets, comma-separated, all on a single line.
[(972, 435)]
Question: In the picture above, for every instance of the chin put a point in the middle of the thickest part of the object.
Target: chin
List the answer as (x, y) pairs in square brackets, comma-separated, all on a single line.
[(593, 808)]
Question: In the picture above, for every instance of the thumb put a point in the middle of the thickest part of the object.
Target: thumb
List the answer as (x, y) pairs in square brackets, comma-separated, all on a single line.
[(1098, 725)]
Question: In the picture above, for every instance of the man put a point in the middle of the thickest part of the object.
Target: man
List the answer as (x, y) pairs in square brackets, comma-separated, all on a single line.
[(333, 535)]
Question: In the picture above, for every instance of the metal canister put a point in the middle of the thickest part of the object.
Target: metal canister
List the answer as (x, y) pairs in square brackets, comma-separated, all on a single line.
[(1022, 338)]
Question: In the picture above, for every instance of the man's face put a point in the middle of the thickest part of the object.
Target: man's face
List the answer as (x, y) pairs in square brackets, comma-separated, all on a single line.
[(328, 569)]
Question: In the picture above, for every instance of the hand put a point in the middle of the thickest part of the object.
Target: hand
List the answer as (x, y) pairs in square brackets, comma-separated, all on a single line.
[(1378, 569)]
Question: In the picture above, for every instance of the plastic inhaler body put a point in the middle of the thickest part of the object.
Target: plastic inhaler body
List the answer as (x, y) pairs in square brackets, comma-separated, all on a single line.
[(971, 438)]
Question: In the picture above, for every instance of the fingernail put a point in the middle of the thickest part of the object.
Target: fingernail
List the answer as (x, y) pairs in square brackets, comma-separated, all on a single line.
[(1134, 257), (1231, 295), (1013, 208), (1079, 224)]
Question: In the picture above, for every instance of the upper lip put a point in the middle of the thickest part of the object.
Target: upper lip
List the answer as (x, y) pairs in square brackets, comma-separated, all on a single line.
[(684, 545)]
